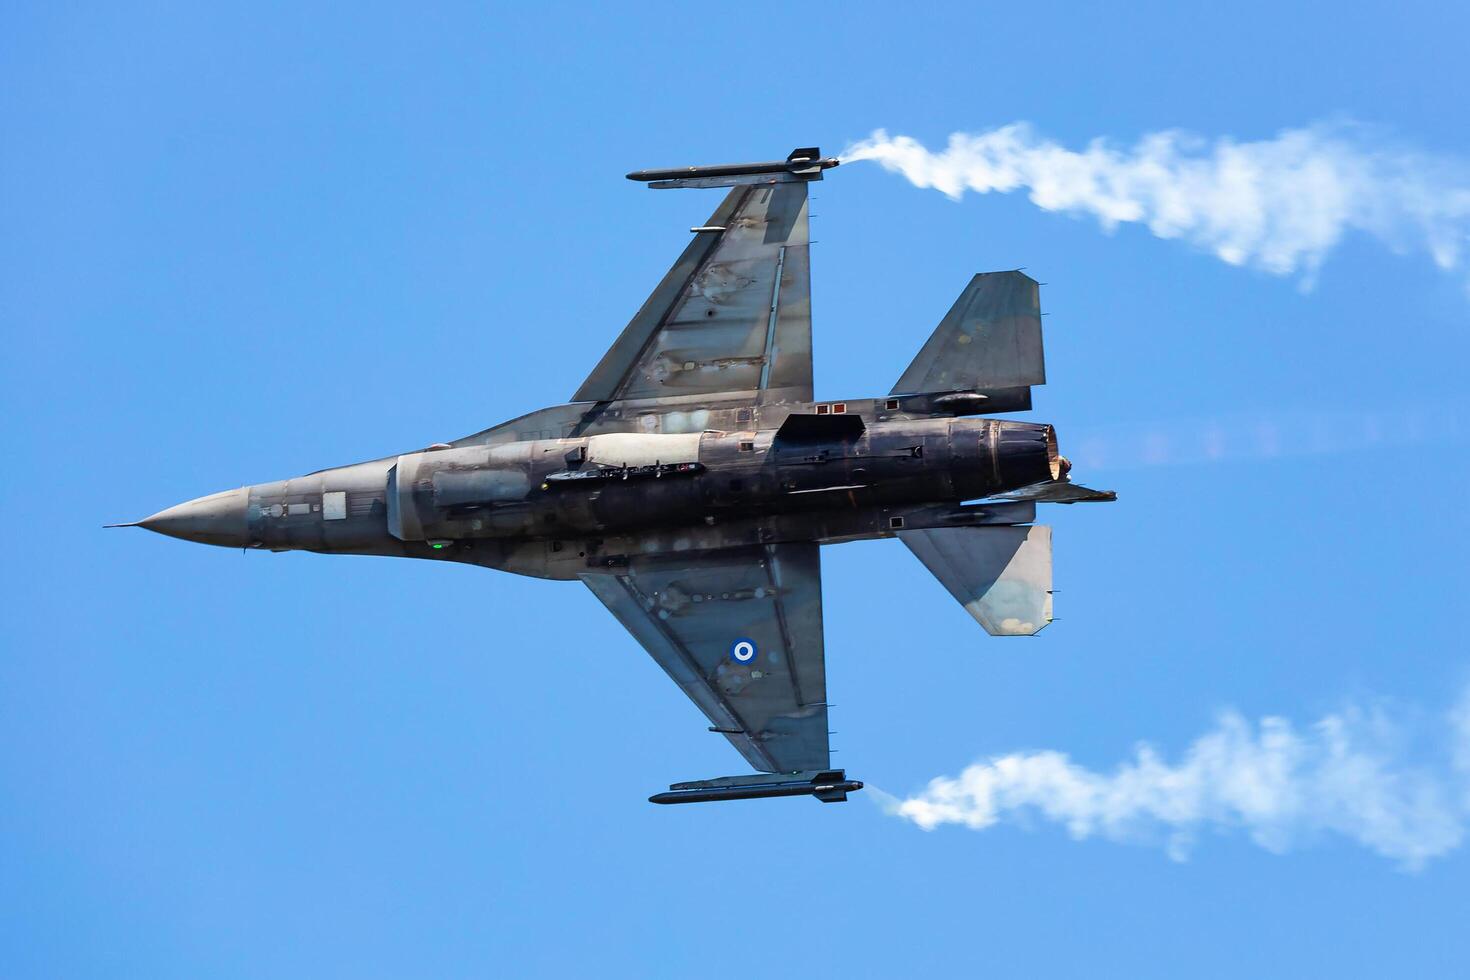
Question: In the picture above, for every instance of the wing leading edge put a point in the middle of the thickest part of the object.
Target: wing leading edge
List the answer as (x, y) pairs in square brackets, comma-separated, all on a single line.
[(740, 631)]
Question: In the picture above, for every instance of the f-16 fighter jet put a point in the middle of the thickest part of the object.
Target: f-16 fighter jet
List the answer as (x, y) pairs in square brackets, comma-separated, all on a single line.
[(693, 478)]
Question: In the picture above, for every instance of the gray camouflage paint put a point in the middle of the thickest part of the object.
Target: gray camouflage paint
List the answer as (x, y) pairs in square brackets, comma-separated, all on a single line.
[(692, 479)]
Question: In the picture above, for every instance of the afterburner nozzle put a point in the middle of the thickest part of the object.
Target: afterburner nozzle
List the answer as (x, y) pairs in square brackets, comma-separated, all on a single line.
[(1025, 454)]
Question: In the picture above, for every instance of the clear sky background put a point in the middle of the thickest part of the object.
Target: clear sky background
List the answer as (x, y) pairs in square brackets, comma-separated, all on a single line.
[(239, 245)]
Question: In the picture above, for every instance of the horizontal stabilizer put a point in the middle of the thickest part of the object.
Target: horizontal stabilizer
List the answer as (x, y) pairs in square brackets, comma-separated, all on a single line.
[(990, 341), (1001, 575)]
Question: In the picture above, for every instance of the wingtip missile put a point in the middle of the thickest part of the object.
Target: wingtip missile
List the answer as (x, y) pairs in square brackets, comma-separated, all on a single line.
[(830, 786), (804, 163)]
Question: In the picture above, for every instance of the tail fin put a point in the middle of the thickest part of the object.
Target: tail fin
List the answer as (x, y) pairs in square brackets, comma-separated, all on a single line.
[(990, 342), (1001, 575)]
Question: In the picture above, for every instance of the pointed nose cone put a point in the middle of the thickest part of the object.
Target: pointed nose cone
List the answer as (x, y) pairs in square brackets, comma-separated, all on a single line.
[(220, 519)]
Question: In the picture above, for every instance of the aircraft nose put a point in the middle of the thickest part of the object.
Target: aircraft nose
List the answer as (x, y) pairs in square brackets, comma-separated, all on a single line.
[(220, 518)]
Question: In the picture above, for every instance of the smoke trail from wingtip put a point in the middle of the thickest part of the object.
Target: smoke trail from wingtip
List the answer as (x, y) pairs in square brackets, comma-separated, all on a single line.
[(1347, 775), (1281, 205)]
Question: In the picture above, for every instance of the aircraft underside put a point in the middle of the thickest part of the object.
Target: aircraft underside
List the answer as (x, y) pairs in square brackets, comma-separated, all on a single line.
[(692, 479)]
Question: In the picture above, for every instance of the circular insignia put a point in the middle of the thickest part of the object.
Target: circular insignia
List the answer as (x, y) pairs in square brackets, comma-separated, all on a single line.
[(742, 651)]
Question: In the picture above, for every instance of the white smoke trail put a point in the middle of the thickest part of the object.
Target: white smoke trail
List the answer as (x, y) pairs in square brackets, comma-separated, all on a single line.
[(1348, 774), (1279, 204)]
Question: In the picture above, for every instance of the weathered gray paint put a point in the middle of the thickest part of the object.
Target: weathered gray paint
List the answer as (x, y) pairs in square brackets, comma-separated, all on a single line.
[(687, 609), (691, 483), (990, 340), (1001, 575), (734, 313)]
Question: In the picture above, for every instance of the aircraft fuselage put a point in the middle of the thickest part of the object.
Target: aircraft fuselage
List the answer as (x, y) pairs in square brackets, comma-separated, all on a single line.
[(547, 506)]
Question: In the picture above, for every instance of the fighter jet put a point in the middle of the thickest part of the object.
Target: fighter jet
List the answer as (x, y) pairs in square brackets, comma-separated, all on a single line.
[(692, 480)]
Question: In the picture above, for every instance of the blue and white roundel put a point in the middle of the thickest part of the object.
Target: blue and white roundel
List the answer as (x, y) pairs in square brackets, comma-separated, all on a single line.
[(743, 651)]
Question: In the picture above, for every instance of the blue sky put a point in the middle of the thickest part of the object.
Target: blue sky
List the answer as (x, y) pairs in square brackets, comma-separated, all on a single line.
[(241, 244)]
